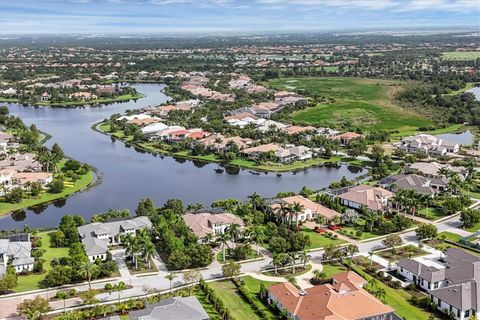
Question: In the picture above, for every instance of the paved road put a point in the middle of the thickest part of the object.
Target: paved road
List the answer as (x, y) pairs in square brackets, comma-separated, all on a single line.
[(140, 285)]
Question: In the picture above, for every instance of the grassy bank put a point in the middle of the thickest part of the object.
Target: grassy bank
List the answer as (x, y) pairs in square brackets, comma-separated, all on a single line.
[(238, 162), (365, 103), (46, 197), (122, 98)]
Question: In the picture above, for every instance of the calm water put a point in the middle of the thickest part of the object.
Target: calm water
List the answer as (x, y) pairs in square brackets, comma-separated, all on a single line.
[(128, 175), (464, 138), (476, 92)]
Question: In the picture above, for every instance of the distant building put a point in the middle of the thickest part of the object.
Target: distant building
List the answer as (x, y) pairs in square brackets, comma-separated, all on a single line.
[(428, 144), (420, 184), (176, 308), (97, 236)]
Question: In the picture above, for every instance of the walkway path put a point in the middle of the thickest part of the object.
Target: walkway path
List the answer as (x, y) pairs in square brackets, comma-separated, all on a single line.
[(119, 256)]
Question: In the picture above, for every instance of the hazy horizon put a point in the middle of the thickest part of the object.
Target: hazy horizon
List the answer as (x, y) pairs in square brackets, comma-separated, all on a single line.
[(117, 17)]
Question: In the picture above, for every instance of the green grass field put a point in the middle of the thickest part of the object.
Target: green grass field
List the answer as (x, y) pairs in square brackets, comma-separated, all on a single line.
[(45, 197), (32, 281), (319, 240), (461, 55), (238, 307), (365, 103)]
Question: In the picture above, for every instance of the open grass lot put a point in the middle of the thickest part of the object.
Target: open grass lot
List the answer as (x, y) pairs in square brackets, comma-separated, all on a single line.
[(206, 304), (431, 213), (238, 307), (461, 55), (365, 103), (399, 300), (319, 240), (46, 197), (351, 231), (32, 281), (331, 268), (253, 284)]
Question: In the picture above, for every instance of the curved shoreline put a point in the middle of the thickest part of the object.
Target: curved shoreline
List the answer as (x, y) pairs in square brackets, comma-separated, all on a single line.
[(264, 169), (74, 104)]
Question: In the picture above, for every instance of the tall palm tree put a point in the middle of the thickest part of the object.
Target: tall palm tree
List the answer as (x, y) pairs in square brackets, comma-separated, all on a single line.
[(119, 287), (223, 239), (305, 258), (170, 276), (234, 231), (87, 269), (258, 235), (256, 200), (279, 260), (296, 209), (148, 252), (285, 212), (293, 259)]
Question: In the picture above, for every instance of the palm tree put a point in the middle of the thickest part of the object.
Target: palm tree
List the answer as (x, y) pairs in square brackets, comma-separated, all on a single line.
[(351, 250), (148, 252), (234, 231), (256, 200), (285, 212), (380, 294), (293, 259), (291, 279), (223, 239), (132, 246), (305, 258), (88, 268), (370, 254), (296, 209), (170, 278), (208, 238), (279, 260), (64, 296), (320, 275), (258, 235), (119, 287)]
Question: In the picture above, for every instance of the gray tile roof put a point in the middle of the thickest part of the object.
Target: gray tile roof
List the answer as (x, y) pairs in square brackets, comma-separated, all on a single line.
[(96, 246), (177, 308), (428, 273), (408, 182)]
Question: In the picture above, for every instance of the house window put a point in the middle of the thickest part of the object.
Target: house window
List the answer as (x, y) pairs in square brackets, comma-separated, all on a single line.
[(435, 285), (467, 313)]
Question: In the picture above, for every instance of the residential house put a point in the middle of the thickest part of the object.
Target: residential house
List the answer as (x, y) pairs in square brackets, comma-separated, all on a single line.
[(434, 169), (5, 141), (218, 142), (140, 116), (83, 95), (420, 184), (23, 178), (255, 152), (428, 144), (21, 162), (346, 137), (17, 252), (343, 299), (365, 196), (310, 210), (210, 222), (98, 236), (453, 282), (293, 130), (153, 128), (176, 308), (45, 96)]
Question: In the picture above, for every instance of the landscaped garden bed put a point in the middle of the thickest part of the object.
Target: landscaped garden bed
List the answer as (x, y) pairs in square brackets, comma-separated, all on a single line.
[(395, 254)]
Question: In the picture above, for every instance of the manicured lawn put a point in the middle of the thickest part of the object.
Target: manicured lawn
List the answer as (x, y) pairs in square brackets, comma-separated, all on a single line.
[(253, 284), (32, 282), (475, 228), (351, 231), (431, 213), (361, 102), (461, 55), (299, 270), (232, 300), (46, 197), (331, 269), (229, 258), (319, 240), (409, 251), (398, 299), (206, 304)]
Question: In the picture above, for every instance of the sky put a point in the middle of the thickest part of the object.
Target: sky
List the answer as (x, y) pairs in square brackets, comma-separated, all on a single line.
[(230, 16)]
